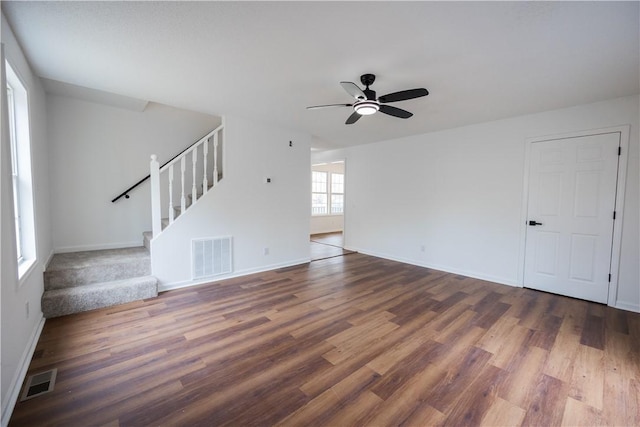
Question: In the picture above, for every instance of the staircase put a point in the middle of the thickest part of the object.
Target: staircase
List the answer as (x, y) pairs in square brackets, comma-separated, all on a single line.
[(82, 281), (199, 174)]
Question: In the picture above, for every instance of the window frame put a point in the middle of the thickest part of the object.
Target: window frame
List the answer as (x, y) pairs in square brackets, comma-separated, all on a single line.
[(328, 192), (315, 192), (332, 193), (15, 176), (19, 115)]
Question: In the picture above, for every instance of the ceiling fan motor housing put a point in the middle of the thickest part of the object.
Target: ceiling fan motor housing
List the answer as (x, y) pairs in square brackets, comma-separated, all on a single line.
[(371, 94), (367, 79)]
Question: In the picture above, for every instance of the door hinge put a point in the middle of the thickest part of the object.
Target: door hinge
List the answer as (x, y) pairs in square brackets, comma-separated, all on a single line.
[(609, 278), (614, 214), (619, 151)]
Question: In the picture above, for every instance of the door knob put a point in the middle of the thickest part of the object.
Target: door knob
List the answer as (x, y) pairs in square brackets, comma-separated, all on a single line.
[(533, 223)]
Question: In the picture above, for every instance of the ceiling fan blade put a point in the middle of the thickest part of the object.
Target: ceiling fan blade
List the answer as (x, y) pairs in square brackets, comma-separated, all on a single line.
[(353, 90), (353, 118), (395, 112), (403, 95), (315, 107)]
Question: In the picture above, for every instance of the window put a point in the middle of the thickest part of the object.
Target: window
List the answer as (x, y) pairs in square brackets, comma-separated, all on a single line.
[(11, 110), (337, 193), (327, 193), (319, 193), (18, 115)]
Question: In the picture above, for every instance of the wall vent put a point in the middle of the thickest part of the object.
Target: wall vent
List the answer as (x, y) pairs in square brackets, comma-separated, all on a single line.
[(210, 257), (39, 384)]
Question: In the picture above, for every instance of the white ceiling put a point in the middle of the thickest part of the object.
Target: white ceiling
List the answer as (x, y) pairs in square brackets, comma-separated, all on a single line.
[(481, 61)]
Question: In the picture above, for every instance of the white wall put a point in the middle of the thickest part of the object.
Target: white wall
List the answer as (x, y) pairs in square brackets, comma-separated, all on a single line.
[(458, 194), (18, 331), (97, 152), (255, 214), (327, 223)]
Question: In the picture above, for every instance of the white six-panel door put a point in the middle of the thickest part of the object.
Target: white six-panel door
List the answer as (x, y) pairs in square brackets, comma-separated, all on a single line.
[(572, 191)]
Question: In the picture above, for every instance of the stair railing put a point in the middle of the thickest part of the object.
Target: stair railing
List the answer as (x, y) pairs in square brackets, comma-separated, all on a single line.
[(126, 192), (193, 173)]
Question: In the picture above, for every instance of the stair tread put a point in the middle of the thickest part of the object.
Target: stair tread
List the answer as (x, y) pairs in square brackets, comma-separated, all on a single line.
[(84, 259), (69, 270)]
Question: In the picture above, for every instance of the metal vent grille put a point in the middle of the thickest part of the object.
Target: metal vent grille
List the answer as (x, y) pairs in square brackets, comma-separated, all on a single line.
[(39, 384), (210, 257)]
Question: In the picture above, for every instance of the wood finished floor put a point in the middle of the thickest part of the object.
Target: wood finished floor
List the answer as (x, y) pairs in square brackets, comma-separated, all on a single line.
[(352, 340), (327, 245), (335, 238)]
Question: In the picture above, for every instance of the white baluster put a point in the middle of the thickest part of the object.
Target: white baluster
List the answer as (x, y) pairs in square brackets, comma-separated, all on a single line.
[(183, 201), (156, 215), (194, 190), (215, 158), (171, 213), (205, 181)]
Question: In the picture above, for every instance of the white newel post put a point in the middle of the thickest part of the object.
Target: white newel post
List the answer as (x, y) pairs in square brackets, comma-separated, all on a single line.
[(156, 213)]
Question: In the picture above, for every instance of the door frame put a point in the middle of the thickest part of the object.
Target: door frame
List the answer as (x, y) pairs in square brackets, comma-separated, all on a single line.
[(331, 160), (623, 130)]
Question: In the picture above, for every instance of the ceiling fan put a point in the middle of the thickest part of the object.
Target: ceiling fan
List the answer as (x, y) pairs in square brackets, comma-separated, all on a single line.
[(366, 102)]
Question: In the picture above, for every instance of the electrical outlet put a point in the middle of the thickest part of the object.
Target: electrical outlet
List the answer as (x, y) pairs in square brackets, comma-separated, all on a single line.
[(422, 248), (265, 251)]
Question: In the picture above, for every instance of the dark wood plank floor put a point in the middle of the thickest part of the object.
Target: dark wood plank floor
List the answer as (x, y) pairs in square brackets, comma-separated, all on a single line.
[(352, 340)]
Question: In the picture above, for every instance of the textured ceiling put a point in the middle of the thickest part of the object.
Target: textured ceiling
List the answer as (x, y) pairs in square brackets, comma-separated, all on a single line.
[(481, 61)]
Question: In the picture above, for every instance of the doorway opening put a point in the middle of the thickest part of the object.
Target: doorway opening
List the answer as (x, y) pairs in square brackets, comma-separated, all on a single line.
[(327, 209)]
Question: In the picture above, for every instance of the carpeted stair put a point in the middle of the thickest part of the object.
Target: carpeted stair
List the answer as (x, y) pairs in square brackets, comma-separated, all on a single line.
[(148, 235), (81, 281)]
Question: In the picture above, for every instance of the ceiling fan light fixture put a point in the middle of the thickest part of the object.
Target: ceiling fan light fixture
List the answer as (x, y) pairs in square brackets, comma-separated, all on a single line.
[(366, 102), (366, 108)]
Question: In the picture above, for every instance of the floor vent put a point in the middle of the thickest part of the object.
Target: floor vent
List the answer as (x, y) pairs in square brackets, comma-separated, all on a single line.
[(39, 384), (211, 257)]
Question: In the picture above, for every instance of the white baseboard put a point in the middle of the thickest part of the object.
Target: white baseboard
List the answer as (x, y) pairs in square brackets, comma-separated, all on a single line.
[(81, 248), (446, 269), (48, 260), (162, 287), (325, 231), (18, 378), (628, 306), (622, 305)]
